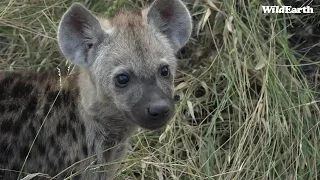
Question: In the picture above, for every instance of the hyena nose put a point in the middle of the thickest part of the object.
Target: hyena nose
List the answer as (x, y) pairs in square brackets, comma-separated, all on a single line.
[(158, 110)]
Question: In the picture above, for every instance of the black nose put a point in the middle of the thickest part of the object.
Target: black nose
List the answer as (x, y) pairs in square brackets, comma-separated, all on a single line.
[(158, 110)]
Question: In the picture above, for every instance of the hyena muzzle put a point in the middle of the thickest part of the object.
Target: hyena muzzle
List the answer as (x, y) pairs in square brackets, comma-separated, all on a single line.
[(125, 80)]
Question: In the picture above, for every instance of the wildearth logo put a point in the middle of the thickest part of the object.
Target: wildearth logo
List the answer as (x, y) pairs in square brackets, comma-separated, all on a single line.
[(286, 9)]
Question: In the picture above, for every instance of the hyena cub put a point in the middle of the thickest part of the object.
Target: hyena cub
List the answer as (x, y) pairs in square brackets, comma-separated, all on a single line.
[(126, 81)]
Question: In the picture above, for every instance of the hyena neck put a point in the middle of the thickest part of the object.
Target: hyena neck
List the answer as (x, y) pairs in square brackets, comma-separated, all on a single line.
[(104, 122)]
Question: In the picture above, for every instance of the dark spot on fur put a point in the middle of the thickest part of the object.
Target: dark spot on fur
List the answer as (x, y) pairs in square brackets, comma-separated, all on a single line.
[(72, 116), (58, 97), (70, 127), (7, 81), (5, 84), (1, 171), (32, 130), (6, 126), (61, 129), (63, 155), (28, 110), (16, 167), (58, 101), (24, 151), (54, 97), (51, 97), (21, 89), (2, 108), (32, 104), (48, 87), (4, 148), (52, 141), (13, 107), (46, 108), (110, 143), (3, 160), (83, 129), (113, 136), (66, 97), (52, 166), (69, 162), (85, 150), (74, 135), (61, 161), (24, 116), (2, 95), (93, 147), (56, 150), (41, 148), (16, 129)]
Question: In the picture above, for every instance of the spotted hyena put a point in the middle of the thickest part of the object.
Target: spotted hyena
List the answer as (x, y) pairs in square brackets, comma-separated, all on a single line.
[(68, 126)]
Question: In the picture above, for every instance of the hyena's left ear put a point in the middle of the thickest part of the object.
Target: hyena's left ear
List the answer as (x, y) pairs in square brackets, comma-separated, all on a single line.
[(79, 35), (171, 18)]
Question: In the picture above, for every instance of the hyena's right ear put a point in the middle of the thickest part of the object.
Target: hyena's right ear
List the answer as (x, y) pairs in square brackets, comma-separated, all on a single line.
[(171, 18), (79, 35)]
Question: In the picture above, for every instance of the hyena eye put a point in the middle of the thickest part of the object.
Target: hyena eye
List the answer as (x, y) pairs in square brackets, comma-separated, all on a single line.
[(164, 71), (122, 80)]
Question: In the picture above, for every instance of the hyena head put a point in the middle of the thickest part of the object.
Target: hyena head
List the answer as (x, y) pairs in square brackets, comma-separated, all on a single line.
[(129, 58)]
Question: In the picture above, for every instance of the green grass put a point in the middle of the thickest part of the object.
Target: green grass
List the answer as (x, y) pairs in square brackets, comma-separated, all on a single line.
[(242, 114)]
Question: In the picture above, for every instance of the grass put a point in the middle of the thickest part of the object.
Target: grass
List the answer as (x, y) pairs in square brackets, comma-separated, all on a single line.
[(246, 111)]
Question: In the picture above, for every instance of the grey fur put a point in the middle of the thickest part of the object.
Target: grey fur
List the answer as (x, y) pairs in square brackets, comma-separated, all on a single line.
[(172, 19), (93, 117)]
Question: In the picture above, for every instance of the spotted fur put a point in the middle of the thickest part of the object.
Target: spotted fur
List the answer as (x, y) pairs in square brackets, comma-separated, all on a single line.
[(77, 126)]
